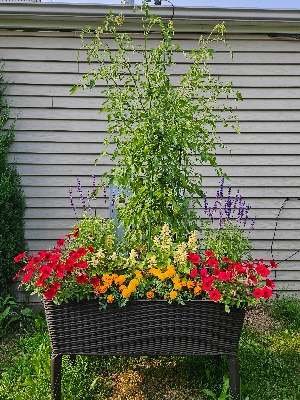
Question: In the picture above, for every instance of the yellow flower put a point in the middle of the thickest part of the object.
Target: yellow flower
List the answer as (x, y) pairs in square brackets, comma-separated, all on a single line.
[(138, 274), (109, 241), (133, 285), (178, 285), (113, 257), (192, 242), (152, 262), (150, 295), (122, 287), (161, 275), (110, 298), (173, 294), (181, 254), (126, 293), (170, 271), (176, 279)]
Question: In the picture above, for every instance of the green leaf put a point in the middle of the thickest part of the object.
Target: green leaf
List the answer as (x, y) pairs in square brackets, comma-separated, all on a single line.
[(73, 89)]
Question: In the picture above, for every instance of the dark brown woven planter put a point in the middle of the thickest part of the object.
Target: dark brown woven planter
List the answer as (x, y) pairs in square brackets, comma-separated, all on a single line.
[(144, 327)]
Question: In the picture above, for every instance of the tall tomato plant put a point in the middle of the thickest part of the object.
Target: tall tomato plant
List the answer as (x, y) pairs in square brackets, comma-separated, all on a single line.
[(161, 129)]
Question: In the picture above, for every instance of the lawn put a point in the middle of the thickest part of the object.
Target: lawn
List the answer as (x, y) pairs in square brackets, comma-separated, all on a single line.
[(269, 355)]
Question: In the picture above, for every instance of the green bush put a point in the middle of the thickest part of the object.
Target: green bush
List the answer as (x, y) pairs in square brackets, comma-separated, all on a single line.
[(12, 199)]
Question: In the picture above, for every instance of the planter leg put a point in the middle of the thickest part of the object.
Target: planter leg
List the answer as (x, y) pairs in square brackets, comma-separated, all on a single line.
[(56, 377), (234, 376), (73, 359)]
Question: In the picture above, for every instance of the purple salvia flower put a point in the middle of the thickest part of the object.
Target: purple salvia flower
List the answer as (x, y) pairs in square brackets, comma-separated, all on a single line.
[(104, 193), (88, 201), (113, 199), (94, 191), (221, 219), (221, 187), (205, 203), (253, 222), (79, 190), (71, 200), (227, 208), (236, 199)]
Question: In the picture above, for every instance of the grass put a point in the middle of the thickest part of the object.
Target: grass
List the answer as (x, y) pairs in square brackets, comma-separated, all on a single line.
[(269, 360)]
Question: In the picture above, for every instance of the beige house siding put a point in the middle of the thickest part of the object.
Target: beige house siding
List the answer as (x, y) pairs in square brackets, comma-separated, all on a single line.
[(59, 136)]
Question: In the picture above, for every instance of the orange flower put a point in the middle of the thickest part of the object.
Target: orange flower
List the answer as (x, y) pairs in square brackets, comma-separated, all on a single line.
[(138, 274), (197, 290), (101, 289), (110, 298), (126, 293), (173, 294), (122, 287), (150, 295), (120, 279), (190, 285), (108, 280)]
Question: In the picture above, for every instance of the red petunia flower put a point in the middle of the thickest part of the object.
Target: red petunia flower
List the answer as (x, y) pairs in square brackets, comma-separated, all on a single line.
[(82, 264), (81, 252), (224, 276), (209, 253), (270, 283), (82, 278), (51, 292), (193, 258), (193, 272), (267, 293), (59, 271), (203, 273), (226, 260), (212, 262), (19, 257), (214, 295), (28, 276), (257, 293), (60, 242), (262, 270), (207, 283), (95, 281), (91, 249), (273, 264)]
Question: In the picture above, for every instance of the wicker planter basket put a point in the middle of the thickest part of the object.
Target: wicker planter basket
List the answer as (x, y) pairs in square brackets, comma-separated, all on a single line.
[(143, 327)]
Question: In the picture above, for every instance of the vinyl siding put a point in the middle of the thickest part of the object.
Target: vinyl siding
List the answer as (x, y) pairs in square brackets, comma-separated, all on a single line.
[(59, 136)]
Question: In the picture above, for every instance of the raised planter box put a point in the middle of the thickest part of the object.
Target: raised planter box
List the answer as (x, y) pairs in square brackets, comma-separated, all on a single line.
[(143, 327)]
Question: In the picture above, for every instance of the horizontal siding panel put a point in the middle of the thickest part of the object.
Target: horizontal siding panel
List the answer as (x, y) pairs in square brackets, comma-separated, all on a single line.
[(256, 183), (61, 90), (224, 161), (95, 103), (206, 171)]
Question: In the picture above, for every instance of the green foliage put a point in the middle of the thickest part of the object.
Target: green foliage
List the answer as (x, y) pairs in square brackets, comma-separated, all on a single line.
[(12, 199), (94, 231), (287, 309), (230, 241), (160, 130), (11, 316)]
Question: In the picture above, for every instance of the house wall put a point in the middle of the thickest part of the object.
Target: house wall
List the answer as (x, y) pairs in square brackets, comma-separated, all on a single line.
[(58, 136)]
